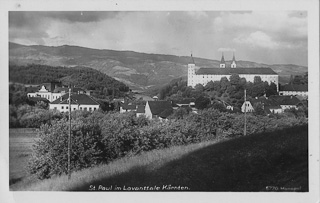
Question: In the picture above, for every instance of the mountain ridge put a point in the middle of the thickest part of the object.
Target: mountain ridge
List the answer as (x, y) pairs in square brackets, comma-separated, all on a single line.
[(138, 70)]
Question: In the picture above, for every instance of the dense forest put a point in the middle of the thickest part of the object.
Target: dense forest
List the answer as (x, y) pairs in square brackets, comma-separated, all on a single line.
[(83, 77)]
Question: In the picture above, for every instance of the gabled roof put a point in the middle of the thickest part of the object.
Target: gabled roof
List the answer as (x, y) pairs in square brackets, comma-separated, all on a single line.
[(285, 100), (160, 108), (128, 106), (230, 71), (275, 101), (65, 89), (292, 87), (82, 99), (141, 109)]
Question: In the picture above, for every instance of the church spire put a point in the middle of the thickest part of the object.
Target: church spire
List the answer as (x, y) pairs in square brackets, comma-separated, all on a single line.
[(233, 63), (222, 63), (192, 60)]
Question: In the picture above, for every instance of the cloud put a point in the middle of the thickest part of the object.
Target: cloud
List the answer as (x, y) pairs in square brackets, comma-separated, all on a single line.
[(226, 50), (290, 25), (257, 39), (27, 18)]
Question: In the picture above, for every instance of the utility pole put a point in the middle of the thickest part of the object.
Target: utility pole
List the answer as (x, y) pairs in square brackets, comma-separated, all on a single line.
[(245, 113), (69, 138)]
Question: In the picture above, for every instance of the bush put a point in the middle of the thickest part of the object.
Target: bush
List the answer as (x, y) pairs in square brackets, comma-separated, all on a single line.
[(50, 155)]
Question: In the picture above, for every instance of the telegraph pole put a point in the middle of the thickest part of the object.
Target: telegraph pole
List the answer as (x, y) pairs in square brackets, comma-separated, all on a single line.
[(245, 113), (69, 137)]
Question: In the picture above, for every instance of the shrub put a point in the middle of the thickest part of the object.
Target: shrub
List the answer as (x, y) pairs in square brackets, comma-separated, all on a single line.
[(50, 155)]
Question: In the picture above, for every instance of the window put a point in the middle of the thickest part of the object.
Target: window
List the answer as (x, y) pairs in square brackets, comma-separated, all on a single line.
[(74, 109), (55, 108), (90, 109), (94, 108), (67, 107), (85, 108), (80, 108), (62, 107)]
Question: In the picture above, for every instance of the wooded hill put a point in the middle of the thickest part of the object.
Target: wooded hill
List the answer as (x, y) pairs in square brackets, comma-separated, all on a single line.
[(82, 77)]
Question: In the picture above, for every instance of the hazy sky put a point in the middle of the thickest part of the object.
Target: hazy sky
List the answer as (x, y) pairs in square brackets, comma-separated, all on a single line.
[(272, 37)]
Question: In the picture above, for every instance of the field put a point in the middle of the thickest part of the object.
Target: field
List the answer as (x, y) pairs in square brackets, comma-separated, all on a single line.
[(276, 161), (20, 148)]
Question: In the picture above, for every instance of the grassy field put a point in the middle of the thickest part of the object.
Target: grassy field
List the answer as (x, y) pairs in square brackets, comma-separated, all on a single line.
[(275, 161), (20, 148)]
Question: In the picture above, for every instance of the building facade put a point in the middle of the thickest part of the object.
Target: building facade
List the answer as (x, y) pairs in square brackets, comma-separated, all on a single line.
[(197, 75), (81, 102), (294, 90)]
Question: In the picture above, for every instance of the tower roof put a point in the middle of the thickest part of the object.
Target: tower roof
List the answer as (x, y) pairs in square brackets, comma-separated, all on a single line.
[(192, 60), (233, 58), (222, 59)]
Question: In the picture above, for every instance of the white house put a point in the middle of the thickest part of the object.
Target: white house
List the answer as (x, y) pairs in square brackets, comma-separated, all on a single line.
[(273, 104), (45, 93), (78, 102), (294, 90)]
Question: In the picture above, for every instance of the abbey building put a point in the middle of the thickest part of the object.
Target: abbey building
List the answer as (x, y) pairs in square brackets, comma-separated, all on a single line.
[(197, 75)]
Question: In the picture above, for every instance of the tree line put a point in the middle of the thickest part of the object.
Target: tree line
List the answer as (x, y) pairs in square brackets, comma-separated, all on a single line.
[(229, 90)]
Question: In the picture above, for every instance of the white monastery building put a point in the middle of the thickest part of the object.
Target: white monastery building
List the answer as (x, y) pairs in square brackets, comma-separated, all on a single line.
[(197, 75)]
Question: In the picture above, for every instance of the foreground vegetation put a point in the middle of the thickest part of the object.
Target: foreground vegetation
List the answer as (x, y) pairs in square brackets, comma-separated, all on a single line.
[(20, 150), (100, 138), (270, 161)]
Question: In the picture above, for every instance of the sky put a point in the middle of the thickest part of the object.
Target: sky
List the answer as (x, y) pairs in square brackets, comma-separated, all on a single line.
[(270, 37)]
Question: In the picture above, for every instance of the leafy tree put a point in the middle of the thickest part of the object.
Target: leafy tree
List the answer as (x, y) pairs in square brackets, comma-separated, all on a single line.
[(235, 79), (202, 102), (257, 80), (258, 109), (209, 85), (224, 84)]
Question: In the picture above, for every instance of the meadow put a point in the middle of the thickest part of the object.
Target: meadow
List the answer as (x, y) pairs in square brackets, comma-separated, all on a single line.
[(270, 161), (20, 149)]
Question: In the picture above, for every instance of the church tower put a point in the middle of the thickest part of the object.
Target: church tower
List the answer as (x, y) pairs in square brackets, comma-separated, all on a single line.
[(191, 71), (233, 63), (222, 63)]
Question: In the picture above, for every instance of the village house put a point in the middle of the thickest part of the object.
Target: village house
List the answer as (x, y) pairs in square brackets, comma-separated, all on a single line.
[(158, 109), (294, 90), (82, 102), (273, 104)]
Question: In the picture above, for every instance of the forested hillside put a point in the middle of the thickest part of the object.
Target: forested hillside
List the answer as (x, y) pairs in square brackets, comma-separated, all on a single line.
[(140, 71), (83, 77)]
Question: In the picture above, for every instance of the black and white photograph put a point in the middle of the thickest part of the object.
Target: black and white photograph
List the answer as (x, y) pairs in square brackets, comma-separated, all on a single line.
[(187, 101)]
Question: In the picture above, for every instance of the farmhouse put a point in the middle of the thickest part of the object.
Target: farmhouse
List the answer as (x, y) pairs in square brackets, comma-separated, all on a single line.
[(78, 102), (197, 75), (273, 104)]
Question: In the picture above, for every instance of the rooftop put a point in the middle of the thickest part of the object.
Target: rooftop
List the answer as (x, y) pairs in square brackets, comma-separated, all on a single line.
[(292, 87), (76, 99), (230, 71)]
